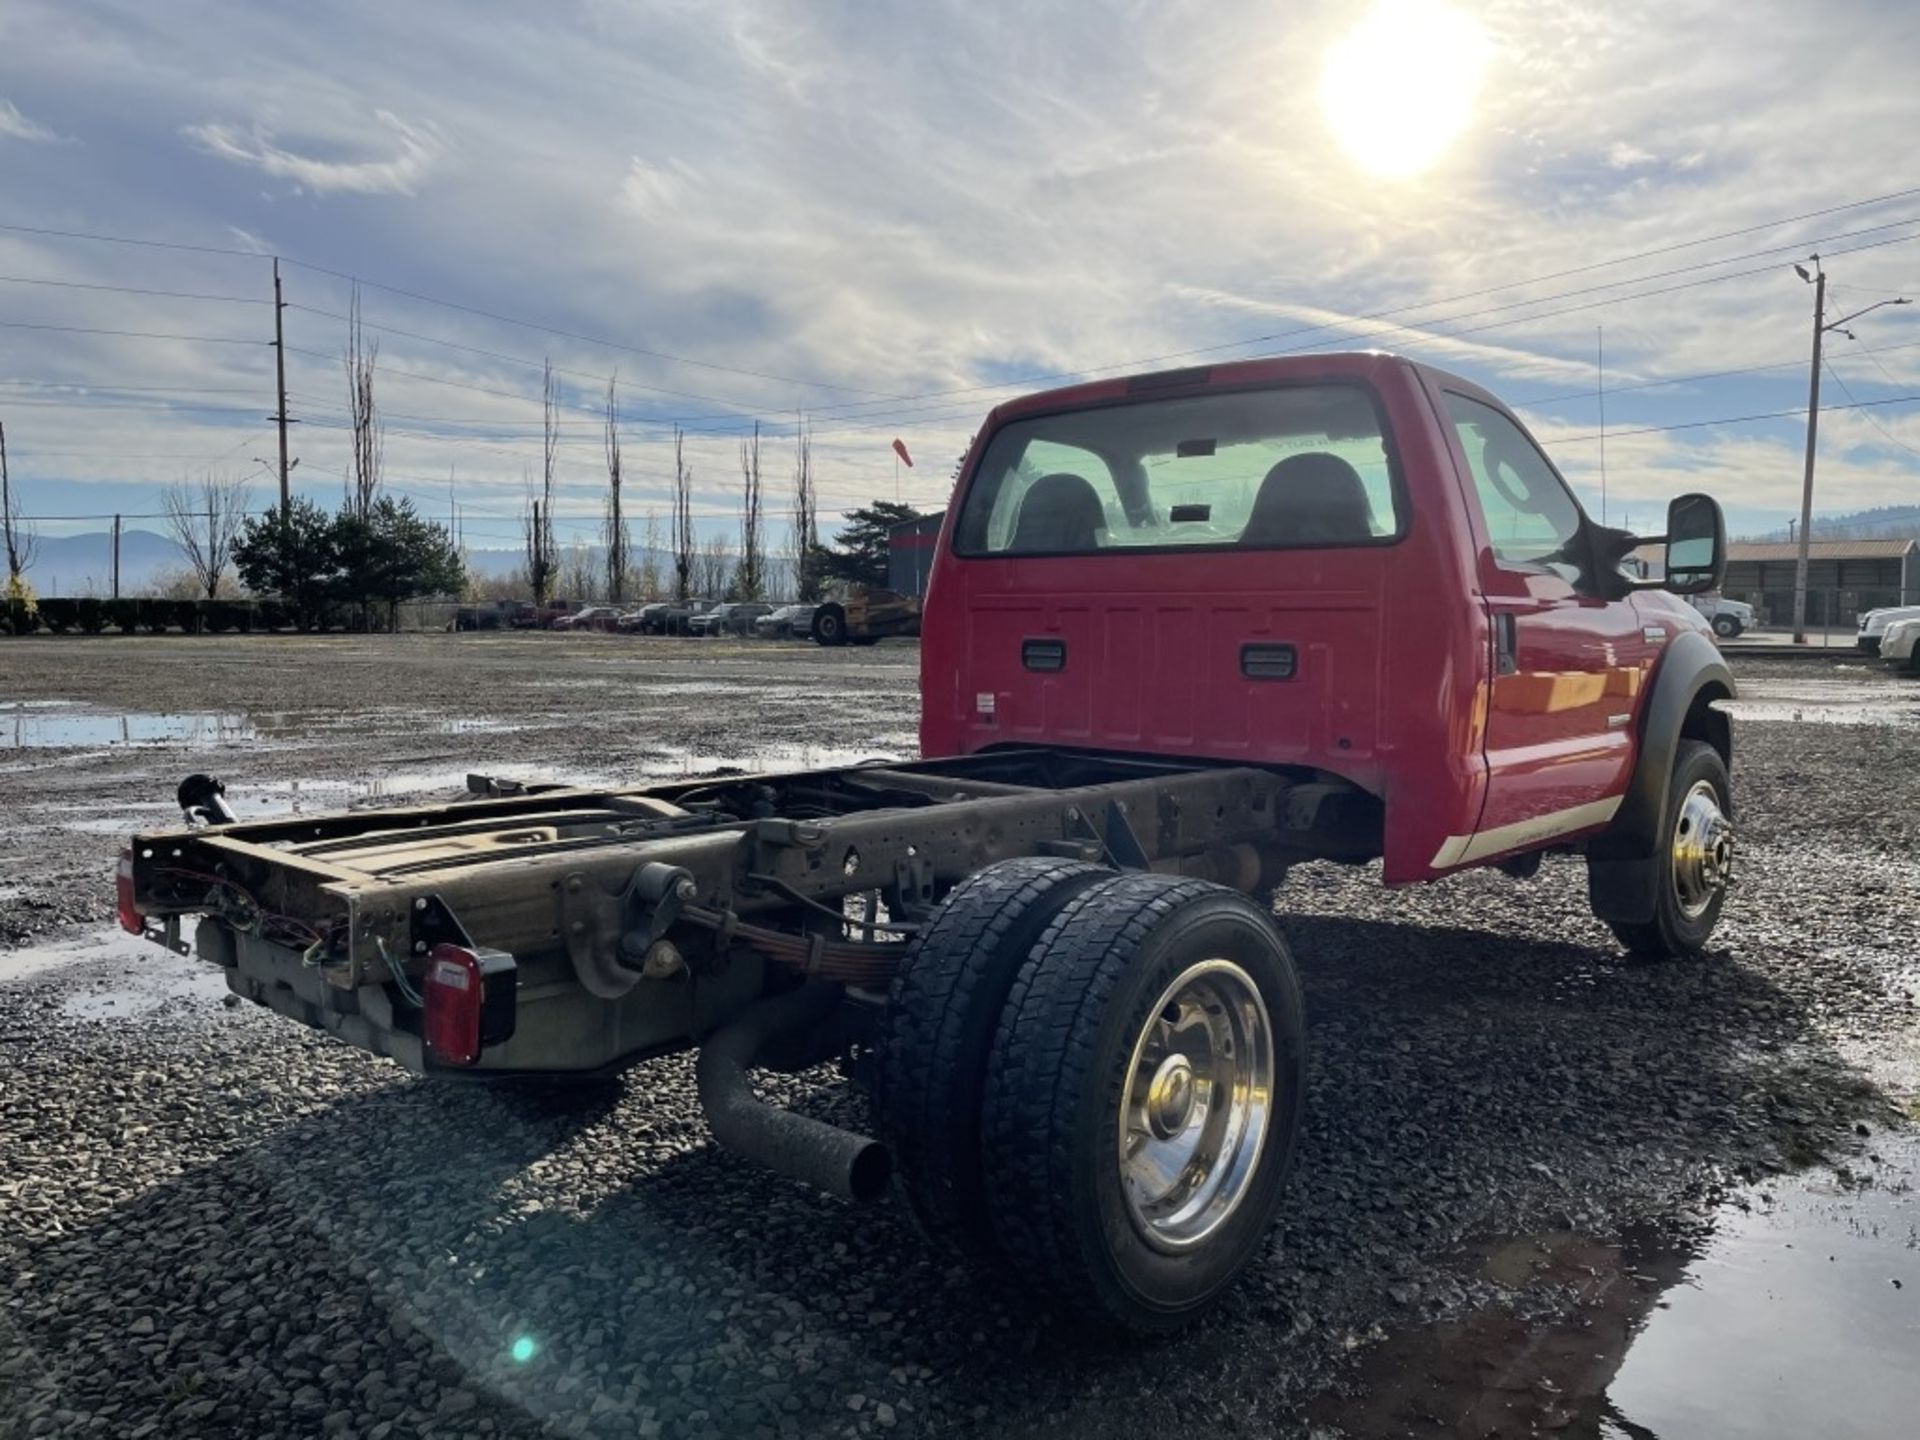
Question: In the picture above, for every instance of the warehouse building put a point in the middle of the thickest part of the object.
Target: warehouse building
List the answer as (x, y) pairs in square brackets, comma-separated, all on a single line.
[(910, 548), (1844, 578)]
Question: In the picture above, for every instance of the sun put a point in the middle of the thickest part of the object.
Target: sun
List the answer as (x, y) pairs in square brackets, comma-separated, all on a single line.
[(1399, 87)]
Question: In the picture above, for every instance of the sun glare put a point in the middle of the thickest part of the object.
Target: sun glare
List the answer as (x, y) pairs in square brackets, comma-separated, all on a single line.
[(1399, 87)]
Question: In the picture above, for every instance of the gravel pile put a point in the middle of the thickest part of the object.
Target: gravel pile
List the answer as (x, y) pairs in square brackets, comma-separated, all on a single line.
[(214, 1223)]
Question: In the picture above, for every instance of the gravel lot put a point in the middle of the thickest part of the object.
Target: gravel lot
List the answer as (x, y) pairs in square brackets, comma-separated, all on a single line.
[(215, 1223)]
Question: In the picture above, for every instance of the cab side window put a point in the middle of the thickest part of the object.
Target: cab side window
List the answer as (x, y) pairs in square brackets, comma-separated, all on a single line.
[(1532, 518)]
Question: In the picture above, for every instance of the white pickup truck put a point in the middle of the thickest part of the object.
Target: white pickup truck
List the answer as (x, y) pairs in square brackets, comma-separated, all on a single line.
[(1728, 617), (1874, 625), (1900, 644)]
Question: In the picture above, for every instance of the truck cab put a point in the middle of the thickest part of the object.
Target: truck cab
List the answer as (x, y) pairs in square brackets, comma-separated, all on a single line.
[(1349, 566)]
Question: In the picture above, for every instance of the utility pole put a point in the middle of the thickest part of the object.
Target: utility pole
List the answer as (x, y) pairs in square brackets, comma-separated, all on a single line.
[(1813, 431), (116, 557), (280, 378), (1821, 325)]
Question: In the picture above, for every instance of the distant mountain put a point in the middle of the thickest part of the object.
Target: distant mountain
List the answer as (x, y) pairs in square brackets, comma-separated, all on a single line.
[(83, 564), (1884, 522)]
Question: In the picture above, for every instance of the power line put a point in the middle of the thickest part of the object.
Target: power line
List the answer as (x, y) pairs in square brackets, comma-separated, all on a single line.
[(1541, 401), (1847, 390), (888, 413), (135, 389), (133, 290), (131, 240), (540, 364), (585, 339), (1797, 412), (1141, 361), (128, 334)]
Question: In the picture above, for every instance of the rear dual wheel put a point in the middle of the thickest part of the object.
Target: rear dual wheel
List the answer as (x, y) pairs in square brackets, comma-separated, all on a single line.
[(1137, 1102)]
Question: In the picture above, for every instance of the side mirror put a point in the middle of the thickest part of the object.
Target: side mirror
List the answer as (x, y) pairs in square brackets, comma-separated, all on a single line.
[(1696, 545)]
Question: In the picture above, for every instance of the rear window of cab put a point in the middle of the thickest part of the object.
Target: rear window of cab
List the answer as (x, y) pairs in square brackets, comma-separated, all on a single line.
[(1301, 466)]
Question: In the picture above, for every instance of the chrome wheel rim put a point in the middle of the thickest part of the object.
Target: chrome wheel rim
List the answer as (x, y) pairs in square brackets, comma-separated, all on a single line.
[(1702, 850), (1195, 1110)]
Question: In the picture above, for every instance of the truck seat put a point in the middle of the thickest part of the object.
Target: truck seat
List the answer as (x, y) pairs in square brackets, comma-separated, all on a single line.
[(1059, 512), (1309, 499)]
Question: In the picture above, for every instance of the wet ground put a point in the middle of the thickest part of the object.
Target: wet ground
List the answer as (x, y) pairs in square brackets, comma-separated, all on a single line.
[(1542, 1190)]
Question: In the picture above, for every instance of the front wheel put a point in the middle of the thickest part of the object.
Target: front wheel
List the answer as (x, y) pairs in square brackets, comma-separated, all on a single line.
[(1725, 626), (1143, 1098), (830, 625), (1694, 862)]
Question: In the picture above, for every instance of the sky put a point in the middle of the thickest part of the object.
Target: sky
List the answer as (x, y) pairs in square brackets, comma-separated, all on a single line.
[(887, 218)]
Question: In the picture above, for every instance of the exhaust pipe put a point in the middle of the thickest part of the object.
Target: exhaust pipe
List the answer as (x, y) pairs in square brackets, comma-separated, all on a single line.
[(854, 1167), (203, 800)]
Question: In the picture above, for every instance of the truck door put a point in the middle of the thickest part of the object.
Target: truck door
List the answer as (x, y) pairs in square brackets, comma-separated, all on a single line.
[(1568, 666)]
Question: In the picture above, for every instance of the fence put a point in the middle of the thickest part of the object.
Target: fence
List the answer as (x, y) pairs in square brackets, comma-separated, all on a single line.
[(94, 616), (1833, 615)]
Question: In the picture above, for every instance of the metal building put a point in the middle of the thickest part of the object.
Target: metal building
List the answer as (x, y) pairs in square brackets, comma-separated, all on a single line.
[(1844, 577), (910, 548)]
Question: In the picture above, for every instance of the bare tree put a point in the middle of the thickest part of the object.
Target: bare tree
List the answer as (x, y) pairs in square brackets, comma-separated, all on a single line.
[(537, 532), (579, 576), (683, 540), (549, 443), (618, 551), (715, 567), (806, 524), (205, 518), (649, 567), (21, 542), (369, 445), (749, 576)]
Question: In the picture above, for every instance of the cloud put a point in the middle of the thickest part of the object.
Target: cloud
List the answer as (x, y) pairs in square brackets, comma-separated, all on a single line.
[(400, 173), (649, 190), (1622, 156), (16, 126)]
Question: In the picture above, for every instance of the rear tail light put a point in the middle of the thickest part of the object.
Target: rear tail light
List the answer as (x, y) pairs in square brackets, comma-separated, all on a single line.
[(469, 1002), (131, 920)]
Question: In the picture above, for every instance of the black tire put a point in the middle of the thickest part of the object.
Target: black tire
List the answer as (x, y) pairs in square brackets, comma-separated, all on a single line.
[(1060, 1064), (1725, 626), (941, 1014), (830, 625), (1673, 933)]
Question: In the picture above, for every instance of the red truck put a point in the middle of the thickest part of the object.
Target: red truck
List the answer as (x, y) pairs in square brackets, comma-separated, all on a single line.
[(1184, 631)]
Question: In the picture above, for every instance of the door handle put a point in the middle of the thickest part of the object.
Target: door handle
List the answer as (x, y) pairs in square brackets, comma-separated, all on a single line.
[(1506, 644)]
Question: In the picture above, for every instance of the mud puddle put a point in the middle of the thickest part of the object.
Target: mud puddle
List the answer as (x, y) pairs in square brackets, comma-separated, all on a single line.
[(51, 728), (1794, 1310), (1811, 700)]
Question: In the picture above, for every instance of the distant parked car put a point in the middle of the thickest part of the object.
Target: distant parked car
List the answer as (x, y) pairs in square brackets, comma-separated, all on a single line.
[(1874, 624), (786, 623), (591, 617), (647, 619), (678, 618), (1900, 644), (736, 617)]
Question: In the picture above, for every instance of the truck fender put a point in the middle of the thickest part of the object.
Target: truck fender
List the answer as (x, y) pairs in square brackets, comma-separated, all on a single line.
[(1621, 874)]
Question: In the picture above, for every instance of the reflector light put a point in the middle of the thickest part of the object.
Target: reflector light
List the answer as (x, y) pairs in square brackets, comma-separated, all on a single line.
[(453, 996), (470, 1000), (131, 920)]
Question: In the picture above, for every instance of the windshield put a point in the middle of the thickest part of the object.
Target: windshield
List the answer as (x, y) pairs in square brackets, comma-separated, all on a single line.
[(1255, 469)]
